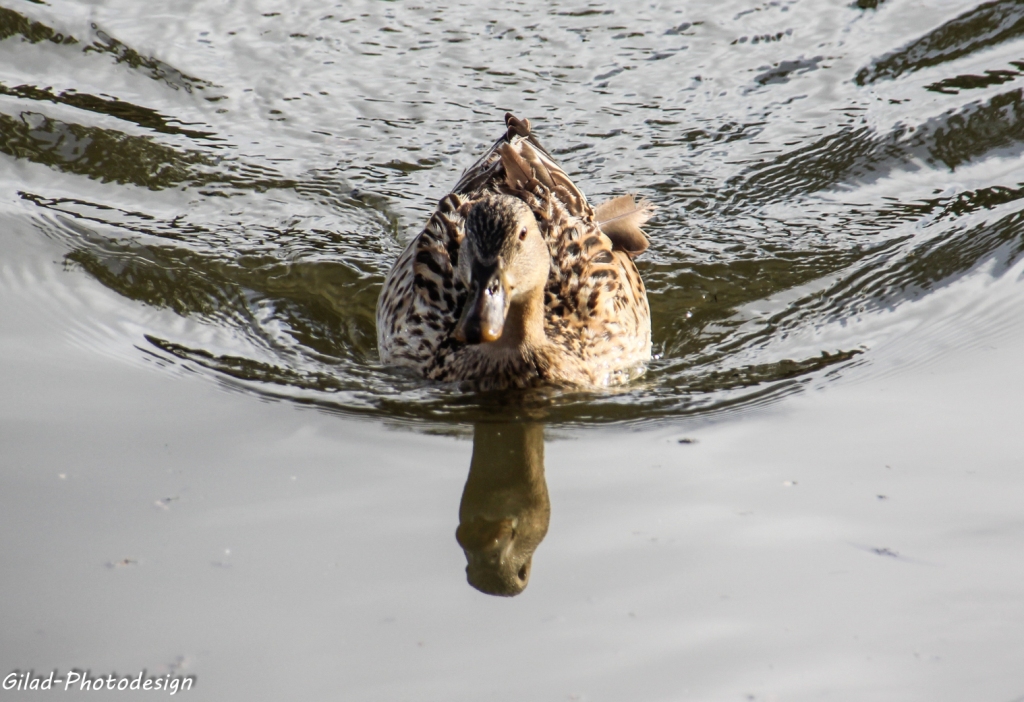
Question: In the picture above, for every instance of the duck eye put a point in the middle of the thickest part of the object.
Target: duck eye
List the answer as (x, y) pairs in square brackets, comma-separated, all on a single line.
[(522, 234)]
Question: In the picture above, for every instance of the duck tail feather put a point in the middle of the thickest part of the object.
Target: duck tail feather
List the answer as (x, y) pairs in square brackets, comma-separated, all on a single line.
[(540, 171), (621, 218), (516, 126), (518, 173)]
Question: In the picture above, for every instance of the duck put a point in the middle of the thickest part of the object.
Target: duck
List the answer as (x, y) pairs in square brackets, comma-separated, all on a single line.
[(517, 281)]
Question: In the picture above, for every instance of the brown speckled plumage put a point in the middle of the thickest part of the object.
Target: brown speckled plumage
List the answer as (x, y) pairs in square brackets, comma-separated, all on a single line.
[(597, 328)]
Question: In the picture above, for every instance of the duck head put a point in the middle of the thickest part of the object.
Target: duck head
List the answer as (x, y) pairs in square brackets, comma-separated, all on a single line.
[(503, 261)]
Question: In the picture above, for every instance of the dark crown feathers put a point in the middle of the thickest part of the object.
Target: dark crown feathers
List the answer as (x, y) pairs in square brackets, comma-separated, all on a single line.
[(489, 223)]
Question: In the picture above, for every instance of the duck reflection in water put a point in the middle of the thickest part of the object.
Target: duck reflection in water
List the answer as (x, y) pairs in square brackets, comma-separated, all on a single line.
[(505, 510)]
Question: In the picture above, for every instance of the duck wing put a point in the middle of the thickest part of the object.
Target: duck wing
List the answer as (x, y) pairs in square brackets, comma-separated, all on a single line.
[(421, 298), (595, 299)]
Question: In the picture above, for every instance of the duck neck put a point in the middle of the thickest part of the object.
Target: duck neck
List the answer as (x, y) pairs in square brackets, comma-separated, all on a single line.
[(524, 323)]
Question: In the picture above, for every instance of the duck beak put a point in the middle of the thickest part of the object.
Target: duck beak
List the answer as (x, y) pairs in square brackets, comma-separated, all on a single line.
[(484, 315)]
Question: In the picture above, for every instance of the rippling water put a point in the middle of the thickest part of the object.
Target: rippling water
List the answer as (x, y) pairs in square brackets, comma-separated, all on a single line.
[(251, 172)]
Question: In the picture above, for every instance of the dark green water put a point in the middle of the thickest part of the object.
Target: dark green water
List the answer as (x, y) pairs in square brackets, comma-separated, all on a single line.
[(200, 197)]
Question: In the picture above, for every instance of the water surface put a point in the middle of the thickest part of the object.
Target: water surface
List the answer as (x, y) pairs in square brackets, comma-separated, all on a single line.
[(199, 203)]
